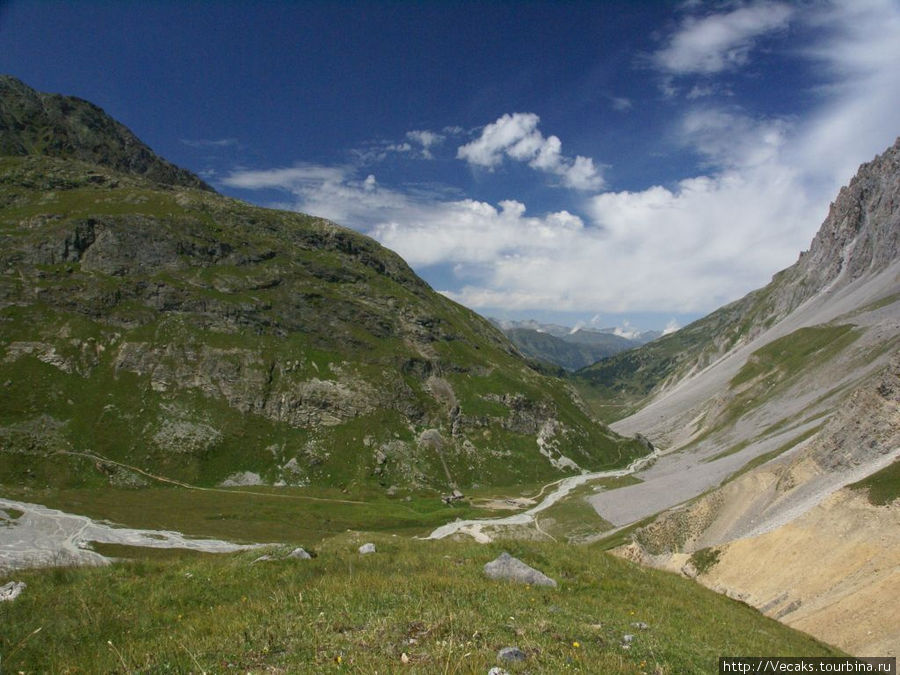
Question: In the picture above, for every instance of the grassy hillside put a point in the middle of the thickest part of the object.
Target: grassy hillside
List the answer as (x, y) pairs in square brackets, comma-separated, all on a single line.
[(182, 333), (343, 612)]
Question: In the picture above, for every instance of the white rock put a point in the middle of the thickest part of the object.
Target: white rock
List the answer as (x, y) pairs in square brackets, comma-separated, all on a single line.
[(11, 591)]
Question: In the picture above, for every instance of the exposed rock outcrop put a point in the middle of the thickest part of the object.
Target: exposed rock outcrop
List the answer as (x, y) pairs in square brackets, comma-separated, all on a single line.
[(507, 567)]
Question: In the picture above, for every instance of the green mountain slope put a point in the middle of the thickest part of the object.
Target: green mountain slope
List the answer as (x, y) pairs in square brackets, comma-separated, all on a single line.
[(173, 330), (34, 123)]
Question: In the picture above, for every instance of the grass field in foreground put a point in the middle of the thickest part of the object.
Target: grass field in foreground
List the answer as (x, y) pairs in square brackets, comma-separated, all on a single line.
[(344, 612)]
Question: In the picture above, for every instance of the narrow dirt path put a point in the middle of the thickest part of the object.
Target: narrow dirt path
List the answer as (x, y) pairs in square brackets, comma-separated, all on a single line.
[(188, 486)]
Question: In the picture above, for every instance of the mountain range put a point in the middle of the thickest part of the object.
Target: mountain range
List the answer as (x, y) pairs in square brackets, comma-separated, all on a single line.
[(570, 348), (152, 329)]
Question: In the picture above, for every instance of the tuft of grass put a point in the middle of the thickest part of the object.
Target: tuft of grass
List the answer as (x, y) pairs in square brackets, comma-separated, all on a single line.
[(793, 353), (883, 486), (705, 559)]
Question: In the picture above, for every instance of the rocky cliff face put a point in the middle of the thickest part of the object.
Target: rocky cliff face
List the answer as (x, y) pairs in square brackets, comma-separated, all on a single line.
[(777, 447), (147, 321)]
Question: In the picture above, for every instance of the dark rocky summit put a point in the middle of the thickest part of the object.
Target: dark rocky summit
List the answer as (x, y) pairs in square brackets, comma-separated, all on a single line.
[(70, 128)]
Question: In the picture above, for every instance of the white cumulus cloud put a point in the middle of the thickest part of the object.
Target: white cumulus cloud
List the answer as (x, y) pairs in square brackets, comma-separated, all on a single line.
[(517, 136)]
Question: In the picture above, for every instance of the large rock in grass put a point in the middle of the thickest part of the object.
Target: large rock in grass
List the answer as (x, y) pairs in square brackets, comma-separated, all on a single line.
[(508, 567)]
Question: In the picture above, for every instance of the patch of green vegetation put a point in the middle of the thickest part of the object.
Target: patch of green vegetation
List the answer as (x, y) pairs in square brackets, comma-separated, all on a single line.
[(615, 483), (256, 514), (774, 368), (346, 612), (122, 552), (878, 304), (730, 450), (795, 352), (883, 486), (705, 559)]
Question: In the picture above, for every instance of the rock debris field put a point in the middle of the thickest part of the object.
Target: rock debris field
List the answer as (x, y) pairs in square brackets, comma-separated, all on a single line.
[(37, 536)]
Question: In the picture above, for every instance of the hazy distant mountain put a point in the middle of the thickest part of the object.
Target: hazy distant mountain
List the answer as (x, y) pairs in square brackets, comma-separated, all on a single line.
[(569, 348)]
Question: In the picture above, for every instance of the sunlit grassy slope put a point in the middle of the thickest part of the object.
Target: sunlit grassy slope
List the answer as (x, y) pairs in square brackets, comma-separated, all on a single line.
[(187, 334), (343, 612)]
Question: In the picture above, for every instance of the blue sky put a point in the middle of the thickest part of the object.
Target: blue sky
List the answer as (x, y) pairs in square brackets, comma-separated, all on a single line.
[(631, 164)]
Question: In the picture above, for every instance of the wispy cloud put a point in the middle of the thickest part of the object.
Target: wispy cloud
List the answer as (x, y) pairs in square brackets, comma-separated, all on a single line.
[(425, 139), (516, 136), (208, 143), (620, 103), (721, 41)]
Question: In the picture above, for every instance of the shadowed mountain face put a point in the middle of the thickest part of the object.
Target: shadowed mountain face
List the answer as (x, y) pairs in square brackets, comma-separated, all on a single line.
[(147, 322)]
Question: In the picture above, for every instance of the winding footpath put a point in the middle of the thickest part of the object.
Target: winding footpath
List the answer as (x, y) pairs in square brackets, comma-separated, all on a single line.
[(475, 528)]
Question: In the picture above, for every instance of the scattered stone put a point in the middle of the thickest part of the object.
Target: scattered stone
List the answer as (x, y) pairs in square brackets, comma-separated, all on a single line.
[(511, 654), (263, 558), (497, 670), (11, 591), (367, 548), (507, 567), (299, 553), (455, 496), (640, 625), (627, 639), (242, 479)]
